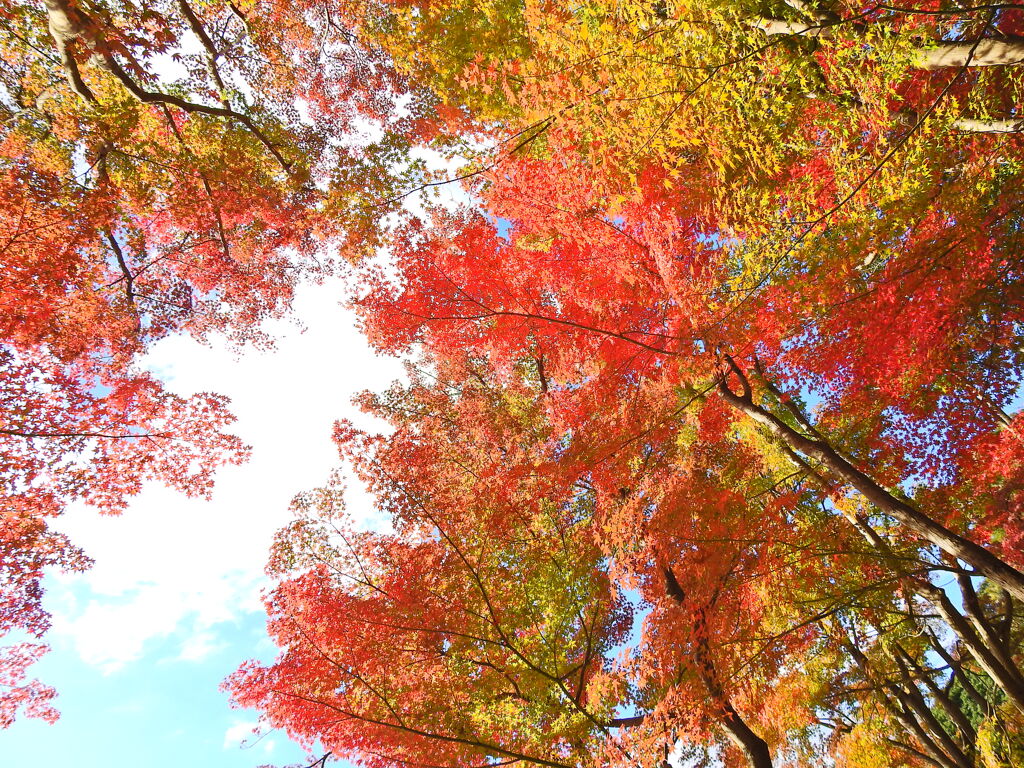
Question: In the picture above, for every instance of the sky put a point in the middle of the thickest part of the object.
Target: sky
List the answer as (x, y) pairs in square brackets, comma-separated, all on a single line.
[(172, 606)]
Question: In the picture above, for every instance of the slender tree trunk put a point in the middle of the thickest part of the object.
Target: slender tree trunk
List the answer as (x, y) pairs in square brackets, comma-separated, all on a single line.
[(1007, 680), (986, 632), (986, 53), (1000, 572), (968, 736), (895, 701), (992, 52), (911, 698), (796, 28), (972, 125), (958, 671), (742, 735)]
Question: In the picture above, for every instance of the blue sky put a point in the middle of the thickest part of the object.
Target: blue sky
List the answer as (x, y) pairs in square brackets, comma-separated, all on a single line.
[(158, 710), (142, 641)]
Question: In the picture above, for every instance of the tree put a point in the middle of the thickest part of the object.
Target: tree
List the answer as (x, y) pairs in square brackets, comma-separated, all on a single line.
[(31, 697), (738, 654), (504, 590), (787, 108), (176, 167), (652, 286), (465, 288), (746, 356)]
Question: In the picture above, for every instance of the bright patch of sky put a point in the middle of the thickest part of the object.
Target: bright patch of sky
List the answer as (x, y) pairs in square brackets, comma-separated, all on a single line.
[(142, 641)]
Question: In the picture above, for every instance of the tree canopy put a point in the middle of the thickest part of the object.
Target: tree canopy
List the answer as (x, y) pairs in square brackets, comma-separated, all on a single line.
[(711, 447)]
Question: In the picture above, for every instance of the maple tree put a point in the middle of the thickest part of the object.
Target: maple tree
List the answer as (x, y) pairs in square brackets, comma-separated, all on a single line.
[(644, 284), (497, 585), (492, 578), (737, 598), (593, 310), (174, 167)]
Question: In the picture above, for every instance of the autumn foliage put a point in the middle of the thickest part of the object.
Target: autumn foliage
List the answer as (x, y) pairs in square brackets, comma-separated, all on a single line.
[(751, 311), (710, 449), (157, 177)]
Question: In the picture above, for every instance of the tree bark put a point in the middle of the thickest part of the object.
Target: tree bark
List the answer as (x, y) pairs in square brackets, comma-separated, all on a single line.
[(991, 52), (972, 125), (742, 735), (1000, 572), (796, 28), (1005, 679), (968, 735), (987, 634), (957, 669), (890, 697), (911, 698), (752, 745), (64, 27)]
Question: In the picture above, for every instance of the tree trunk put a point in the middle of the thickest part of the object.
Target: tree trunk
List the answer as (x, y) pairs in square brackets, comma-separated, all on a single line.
[(985, 53), (968, 735), (753, 746), (890, 697), (914, 520), (992, 52), (972, 125), (1005, 679)]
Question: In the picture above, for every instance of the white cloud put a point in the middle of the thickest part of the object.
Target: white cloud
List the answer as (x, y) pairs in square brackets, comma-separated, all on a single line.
[(239, 732), (169, 560), (200, 645)]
